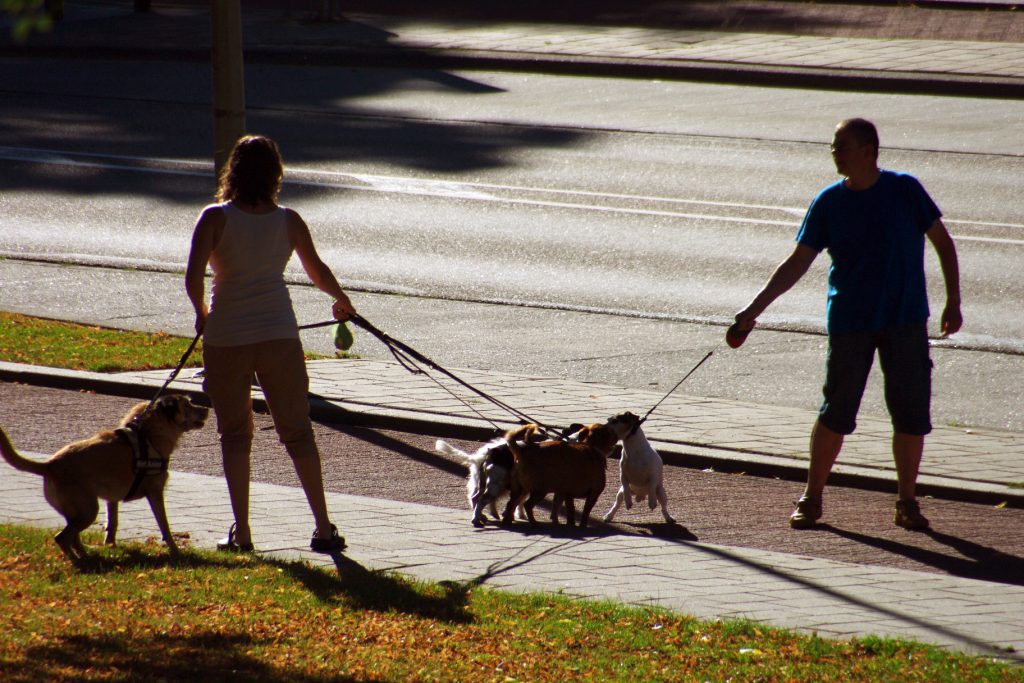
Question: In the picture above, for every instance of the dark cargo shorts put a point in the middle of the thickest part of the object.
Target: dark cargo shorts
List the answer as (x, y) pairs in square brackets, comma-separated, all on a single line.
[(907, 369)]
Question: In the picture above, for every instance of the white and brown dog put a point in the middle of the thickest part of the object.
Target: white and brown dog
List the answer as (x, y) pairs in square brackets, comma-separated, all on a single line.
[(640, 469), (126, 463), (490, 468)]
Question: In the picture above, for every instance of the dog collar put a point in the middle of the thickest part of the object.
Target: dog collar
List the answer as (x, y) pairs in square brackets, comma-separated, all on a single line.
[(636, 429)]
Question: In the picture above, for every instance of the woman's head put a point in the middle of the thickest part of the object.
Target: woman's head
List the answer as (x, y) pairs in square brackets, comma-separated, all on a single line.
[(253, 171)]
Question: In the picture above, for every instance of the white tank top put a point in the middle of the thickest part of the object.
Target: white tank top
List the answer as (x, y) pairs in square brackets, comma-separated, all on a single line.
[(249, 301)]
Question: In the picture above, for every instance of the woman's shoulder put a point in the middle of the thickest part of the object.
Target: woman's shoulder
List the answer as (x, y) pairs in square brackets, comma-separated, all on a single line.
[(215, 210), (292, 217)]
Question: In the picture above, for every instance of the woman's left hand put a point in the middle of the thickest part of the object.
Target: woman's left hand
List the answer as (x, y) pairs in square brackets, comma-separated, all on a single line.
[(343, 309)]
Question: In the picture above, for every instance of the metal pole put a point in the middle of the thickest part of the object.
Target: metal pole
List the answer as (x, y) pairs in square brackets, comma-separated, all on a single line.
[(228, 78)]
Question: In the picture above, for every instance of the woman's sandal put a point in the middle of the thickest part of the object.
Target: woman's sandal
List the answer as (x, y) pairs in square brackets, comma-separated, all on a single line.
[(335, 543), (228, 544)]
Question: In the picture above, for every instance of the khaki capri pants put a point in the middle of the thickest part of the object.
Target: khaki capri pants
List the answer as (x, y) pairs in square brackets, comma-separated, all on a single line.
[(280, 367)]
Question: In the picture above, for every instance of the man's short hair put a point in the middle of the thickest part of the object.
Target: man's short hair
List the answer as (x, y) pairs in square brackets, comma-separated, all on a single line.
[(863, 130)]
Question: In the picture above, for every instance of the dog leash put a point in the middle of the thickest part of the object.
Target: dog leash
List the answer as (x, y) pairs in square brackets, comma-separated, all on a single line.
[(174, 374), (407, 357), (670, 391)]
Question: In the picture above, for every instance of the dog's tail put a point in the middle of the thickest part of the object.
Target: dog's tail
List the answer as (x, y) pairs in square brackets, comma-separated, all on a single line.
[(17, 460), (470, 459)]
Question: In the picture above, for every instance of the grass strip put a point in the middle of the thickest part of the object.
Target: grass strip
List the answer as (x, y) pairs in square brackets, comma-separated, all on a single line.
[(37, 341), (71, 346), (133, 614)]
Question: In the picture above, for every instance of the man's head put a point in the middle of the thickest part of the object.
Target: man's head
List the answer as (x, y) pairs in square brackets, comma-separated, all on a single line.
[(855, 147)]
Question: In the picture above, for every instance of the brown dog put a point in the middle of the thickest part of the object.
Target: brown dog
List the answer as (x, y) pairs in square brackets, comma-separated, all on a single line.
[(568, 469), (103, 466)]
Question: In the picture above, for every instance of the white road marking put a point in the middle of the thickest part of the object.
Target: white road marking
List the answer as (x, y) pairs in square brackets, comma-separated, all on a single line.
[(486, 192)]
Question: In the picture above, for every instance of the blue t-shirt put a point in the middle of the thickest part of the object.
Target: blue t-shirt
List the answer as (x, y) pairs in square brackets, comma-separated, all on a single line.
[(876, 240)]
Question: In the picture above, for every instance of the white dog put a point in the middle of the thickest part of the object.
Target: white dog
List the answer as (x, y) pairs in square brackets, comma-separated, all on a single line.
[(490, 469), (640, 468)]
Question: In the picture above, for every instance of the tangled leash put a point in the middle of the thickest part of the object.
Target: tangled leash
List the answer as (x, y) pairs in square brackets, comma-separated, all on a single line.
[(408, 357)]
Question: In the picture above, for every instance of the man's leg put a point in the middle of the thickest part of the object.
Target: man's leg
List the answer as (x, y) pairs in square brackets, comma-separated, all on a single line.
[(850, 357), (825, 447), (907, 450), (907, 366)]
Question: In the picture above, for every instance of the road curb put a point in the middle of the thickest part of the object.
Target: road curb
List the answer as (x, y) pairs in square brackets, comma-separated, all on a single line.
[(689, 455)]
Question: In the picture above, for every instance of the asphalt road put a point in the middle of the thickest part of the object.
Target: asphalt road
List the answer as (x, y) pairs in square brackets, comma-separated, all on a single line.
[(711, 507)]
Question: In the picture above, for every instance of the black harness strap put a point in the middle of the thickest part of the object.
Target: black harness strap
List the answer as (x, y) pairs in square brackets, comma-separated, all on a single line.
[(144, 463)]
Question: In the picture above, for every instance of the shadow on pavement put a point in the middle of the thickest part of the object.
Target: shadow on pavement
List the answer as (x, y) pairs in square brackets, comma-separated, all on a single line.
[(976, 562), (403, 449), (576, 541), (876, 20)]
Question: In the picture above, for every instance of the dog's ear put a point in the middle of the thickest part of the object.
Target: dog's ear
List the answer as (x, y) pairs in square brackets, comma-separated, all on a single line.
[(571, 429), (168, 407)]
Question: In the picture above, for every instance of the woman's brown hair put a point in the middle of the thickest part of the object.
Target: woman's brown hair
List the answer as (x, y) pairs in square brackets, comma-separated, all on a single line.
[(253, 172)]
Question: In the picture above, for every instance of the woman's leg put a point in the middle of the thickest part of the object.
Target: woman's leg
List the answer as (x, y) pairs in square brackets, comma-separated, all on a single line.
[(282, 374), (228, 383)]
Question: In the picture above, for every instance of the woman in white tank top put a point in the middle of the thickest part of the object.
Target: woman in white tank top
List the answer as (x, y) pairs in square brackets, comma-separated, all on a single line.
[(250, 328)]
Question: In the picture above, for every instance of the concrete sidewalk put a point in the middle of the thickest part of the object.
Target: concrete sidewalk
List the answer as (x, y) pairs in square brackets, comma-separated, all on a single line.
[(181, 30)]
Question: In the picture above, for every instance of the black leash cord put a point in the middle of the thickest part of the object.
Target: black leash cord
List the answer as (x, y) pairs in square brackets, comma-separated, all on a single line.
[(396, 346), (403, 353), (693, 370), (325, 323), (181, 364)]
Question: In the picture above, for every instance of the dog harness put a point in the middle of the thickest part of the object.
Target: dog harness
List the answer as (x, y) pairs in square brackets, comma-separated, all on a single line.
[(143, 463)]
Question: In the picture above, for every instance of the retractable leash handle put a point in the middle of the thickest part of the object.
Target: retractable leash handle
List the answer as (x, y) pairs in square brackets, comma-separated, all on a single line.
[(736, 335)]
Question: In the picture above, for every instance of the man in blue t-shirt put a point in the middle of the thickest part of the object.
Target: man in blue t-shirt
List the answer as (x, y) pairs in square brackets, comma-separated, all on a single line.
[(873, 223)]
